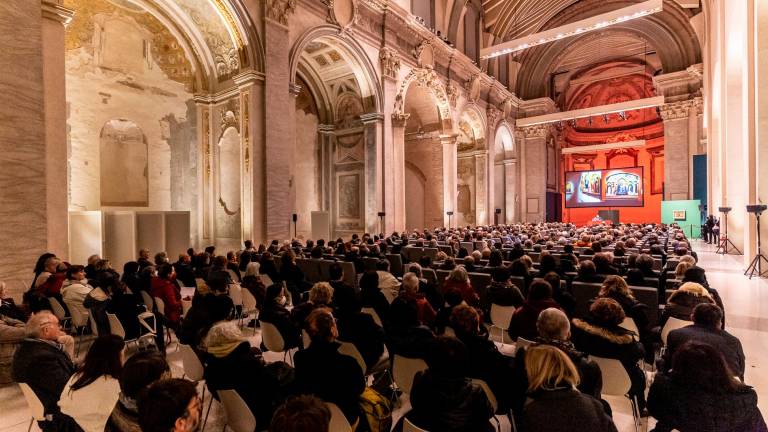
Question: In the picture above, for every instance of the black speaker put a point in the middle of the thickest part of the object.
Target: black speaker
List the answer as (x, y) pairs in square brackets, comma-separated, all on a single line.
[(381, 214), (498, 211), (724, 209), (756, 208), (295, 217), (450, 213)]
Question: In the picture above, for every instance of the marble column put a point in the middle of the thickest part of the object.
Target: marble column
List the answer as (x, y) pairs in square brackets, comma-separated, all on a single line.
[(677, 157), (55, 17), (280, 133), (23, 184), (395, 177), (481, 186), (510, 190), (374, 124), (535, 159), (450, 183)]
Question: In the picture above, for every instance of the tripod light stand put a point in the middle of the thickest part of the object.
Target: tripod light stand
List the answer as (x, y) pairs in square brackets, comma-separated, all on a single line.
[(725, 243), (755, 268)]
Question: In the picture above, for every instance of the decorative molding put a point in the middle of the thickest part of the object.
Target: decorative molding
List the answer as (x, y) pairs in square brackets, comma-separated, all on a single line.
[(676, 110), (400, 119), (56, 12), (424, 77), (294, 89), (631, 152), (207, 141), (280, 10), (336, 12), (698, 105), (247, 78), (472, 86), (389, 59), (493, 115), (371, 117), (657, 154), (536, 131), (452, 92), (246, 130), (229, 116)]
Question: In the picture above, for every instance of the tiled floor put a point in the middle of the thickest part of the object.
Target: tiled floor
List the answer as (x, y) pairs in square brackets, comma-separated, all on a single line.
[(746, 304)]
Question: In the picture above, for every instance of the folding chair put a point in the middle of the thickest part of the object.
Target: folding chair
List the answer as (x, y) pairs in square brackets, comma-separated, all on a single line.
[(239, 417), (500, 317), (35, 405), (616, 382)]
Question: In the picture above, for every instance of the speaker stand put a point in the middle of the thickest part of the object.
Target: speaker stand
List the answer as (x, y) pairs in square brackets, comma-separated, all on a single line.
[(726, 243), (756, 268)]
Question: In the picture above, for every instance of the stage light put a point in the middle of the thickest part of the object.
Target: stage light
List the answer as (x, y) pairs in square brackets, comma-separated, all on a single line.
[(605, 118), (576, 28), (592, 111), (623, 115)]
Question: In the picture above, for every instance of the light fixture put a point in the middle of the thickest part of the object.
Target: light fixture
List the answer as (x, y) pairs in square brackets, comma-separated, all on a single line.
[(592, 111), (576, 28)]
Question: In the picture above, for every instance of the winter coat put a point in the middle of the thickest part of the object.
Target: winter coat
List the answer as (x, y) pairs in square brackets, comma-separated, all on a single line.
[(575, 410)]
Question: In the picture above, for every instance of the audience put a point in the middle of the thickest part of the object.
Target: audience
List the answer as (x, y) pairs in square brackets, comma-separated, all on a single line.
[(139, 371), (614, 287), (275, 313), (371, 296), (523, 322), (319, 296), (707, 328), (323, 371), (443, 397), (301, 414), (552, 380), (165, 288), (410, 292), (458, 279), (683, 300), (93, 390), (501, 291)]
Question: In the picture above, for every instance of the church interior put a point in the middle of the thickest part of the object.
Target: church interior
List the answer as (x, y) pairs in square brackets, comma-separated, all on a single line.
[(412, 128)]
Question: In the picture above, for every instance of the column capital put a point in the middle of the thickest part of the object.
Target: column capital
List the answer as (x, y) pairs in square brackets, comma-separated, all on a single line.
[(534, 131), (509, 162), (52, 10), (279, 10), (450, 139), (389, 59), (294, 89), (374, 117), (676, 110), (247, 78), (400, 119)]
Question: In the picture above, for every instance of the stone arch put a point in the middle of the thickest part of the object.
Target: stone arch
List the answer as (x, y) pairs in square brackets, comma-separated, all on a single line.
[(428, 79), (504, 142)]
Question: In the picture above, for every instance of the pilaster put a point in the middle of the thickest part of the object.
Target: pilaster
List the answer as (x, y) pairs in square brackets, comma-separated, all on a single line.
[(535, 174), (677, 152), (450, 183)]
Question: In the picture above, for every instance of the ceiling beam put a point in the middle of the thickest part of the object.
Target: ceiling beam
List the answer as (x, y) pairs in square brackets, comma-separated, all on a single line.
[(592, 111), (600, 147)]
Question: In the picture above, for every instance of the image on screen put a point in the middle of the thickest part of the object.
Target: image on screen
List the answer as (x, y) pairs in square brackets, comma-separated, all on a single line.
[(622, 187)]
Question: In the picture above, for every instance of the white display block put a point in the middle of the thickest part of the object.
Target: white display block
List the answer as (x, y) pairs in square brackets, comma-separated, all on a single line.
[(177, 233), (321, 225), (150, 231), (85, 235), (120, 238)]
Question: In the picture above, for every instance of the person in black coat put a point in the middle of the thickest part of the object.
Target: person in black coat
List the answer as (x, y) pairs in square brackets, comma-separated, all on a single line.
[(293, 276), (231, 364), (443, 397), (362, 331), (484, 361), (555, 405), (555, 330), (701, 395), (371, 296), (707, 328), (41, 363), (184, 272), (588, 273), (206, 310), (405, 334), (501, 291), (428, 290), (127, 308), (275, 313), (600, 335), (323, 371), (616, 288), (344, 296)]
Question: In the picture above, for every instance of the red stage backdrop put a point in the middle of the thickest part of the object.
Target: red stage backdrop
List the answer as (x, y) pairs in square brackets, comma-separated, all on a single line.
[(606, 84)]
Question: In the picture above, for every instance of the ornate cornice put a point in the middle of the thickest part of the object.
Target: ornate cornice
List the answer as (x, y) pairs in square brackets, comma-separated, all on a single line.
[(280, 10), (676, 110), (54, 11), (536, 131), (389, 59), (493, 116), (400, 119)]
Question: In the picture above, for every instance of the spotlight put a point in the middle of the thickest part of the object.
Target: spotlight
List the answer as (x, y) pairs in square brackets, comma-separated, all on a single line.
[(622, 115), (605, 118)]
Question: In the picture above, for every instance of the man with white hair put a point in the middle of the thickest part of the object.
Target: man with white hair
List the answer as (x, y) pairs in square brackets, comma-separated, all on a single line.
[(410, 293), (554, 329), (41, 361)]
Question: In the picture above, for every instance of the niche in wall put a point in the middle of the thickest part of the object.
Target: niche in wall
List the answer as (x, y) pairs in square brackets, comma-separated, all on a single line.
[(124, 164)]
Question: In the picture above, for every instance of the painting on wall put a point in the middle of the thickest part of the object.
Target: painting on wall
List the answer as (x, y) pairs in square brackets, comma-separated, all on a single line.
[(678, 215), (124, 165), (349, 196)]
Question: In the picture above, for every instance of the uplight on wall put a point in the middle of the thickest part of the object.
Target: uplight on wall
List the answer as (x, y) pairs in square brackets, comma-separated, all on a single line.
[(574, 29)]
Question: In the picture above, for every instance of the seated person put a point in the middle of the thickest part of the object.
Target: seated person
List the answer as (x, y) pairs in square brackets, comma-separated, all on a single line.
[(8, 307), (442, 320), (701, 394), (170, 405), (552, 379), (501, 291), (443, 397), (323, 371), (555, 330), (275, 313), (405, 335), (604, 264), (523, 322), (253, 283), (139, 371), (411, 291), (127, 308), (320, 295), (697, 274), (11, 330), (344, 296), (371, 296), (587, 273), (41, 362), (231, 364), (362, 331), (93, 390), (207, 309), (683, 300), (616, 288), (600, 335), (300, 414), (560, 294), (458, 279), (469, 264), (387, 281), (164, 287), (75, 289), (428, 290), (484, 360), (520, 269), (707, 328)]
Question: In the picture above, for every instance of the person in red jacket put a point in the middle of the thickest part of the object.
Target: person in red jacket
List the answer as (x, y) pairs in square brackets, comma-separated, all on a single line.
[(523, 322), (458, 279), (411, 290), (164, 287)]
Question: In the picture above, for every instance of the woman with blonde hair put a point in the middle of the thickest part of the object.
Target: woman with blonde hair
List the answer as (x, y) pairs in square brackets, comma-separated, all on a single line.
[(682, 266), (320, 295), (681, 303), (552, 381), (458, 280)]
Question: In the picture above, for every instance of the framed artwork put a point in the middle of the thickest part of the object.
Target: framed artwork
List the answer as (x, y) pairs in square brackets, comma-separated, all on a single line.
[(678, 215)]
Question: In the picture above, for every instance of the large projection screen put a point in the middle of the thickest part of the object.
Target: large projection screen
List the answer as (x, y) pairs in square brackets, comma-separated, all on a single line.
[(617, 187)]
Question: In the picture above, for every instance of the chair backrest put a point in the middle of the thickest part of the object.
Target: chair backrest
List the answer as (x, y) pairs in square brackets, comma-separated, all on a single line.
[(271, 337), (249, 301), (522, 343), (148, 302), (57, 308), (395, 264), (306, 341), (630, 325), (649, 297), (372, 312), (193, 368), (339, 422), (349, 349), (429, 275), (469, 245), (616, 380), (79, 319), (115, 326), (389, 295), (672, 324), (519, 282), (160, 305), (239, 416), (410, 427), (404, 369), (233, 275), (501, 315), (236, 294), (584, 292), (488, 393), (36, 407)]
